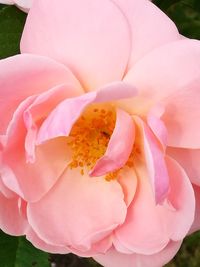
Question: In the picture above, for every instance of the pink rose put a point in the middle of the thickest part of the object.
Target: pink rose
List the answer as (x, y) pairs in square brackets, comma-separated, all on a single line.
[(24, 5), (99, 132)]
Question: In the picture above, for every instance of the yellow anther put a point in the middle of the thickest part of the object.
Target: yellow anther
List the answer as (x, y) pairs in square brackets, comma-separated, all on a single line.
[(90, 135), (89, 139)]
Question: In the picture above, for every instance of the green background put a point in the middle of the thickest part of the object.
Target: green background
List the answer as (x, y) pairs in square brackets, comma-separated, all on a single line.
[(18, 252)]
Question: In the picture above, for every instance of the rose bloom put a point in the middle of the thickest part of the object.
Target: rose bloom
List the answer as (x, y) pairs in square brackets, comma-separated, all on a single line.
[(99, 132)]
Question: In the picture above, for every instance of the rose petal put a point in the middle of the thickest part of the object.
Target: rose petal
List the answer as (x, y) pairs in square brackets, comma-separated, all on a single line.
[(25, 5), (40, 244), (147, 22), (25, 75), (114, 258), (96, 46), (35, 114), (35, 179), (7, 2), (119, 147), (5, 190), (100, 247), (128, 181), (196, 224), (62, 118), (158, 128), (74, 201), (189, 159), (12, 219), (155, 161), (142, 212), (29, 179), (172, 77), (181, 197), (167, 220)]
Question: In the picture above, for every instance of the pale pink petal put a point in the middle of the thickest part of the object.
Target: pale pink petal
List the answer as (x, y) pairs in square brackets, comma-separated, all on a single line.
[(119, 147), (35, 179), (181, 197), (189, 159), (128, 181), (158, 128), (12, 220), (155, 160), (25, 5), (99, 247), (25, 75), (172, 77), (87, 211), (5, 190), (167, 220), (196, 224), (36, 113), (22, 4), (94, 44), (40, 244), (16, 123), (114, 258), (31, 180), (7, 2), (135, 235), (150, 27), (62, 118)]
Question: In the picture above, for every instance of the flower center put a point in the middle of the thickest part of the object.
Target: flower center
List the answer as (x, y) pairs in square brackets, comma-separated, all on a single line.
[(90, 135)]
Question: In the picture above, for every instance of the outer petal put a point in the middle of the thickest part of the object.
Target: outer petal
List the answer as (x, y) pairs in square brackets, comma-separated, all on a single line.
[(96, 46), (196, 224), (150, 27), (12, 218), (182, 198), (31, 180), (22, 4), (119, 147), (172, 77), (40, 244), (5, 190), (74, 201), (62, 118), (189, 159), (25, 75), (167, 220), (114, 258), (25, 5), (7, 2), (102, 246), (135, 235)]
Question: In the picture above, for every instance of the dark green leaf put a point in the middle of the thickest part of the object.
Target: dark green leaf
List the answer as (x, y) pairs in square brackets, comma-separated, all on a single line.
[(12, 21), (29, 256), (185, 13), (8, 249), (18, 252)]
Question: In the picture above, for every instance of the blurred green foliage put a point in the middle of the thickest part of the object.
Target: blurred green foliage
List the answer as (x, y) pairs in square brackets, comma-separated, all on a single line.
[(189, 254), (12, 21), (18, 252), (185, 13)]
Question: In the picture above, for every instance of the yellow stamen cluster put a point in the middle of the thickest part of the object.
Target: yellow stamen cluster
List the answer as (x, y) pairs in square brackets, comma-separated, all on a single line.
[(90, 135)]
